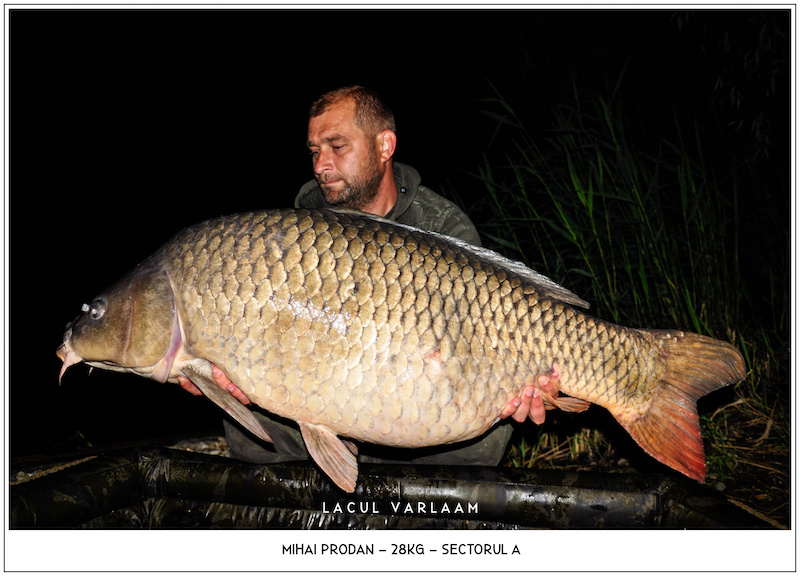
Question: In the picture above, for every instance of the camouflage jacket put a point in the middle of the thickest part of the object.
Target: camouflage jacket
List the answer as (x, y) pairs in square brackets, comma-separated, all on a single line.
[(416, 205)]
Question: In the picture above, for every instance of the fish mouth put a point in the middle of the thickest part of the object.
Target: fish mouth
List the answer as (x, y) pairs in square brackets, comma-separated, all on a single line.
[(68, 357)]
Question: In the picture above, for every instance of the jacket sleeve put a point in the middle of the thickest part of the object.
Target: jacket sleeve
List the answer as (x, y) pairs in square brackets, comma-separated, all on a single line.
[(433, 212)]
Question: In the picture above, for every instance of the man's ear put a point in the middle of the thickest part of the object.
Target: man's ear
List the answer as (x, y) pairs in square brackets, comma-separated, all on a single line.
[(386, 142)]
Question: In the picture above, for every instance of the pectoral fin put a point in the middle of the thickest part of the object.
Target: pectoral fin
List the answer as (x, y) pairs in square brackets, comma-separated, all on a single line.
[(199, 372), (331, 454)]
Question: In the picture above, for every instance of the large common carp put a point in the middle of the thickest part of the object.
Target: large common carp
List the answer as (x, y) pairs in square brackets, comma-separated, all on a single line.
[(356, 327)]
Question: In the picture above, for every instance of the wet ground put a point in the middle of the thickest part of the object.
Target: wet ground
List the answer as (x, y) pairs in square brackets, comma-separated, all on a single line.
[(759, 479), (174, 488), (760, 492)]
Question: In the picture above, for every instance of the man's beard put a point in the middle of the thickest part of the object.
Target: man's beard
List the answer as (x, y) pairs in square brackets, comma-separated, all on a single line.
[(358, 192)]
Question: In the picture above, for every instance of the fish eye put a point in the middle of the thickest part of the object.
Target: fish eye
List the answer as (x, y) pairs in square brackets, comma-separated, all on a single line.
[(96, 309)]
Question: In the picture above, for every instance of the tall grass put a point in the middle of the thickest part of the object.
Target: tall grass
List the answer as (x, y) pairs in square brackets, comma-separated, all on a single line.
[(646, 230), (645, 238)]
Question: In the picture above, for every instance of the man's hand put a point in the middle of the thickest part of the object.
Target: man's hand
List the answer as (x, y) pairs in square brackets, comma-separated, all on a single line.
[(187, 385), (222, 381), (530, 402)]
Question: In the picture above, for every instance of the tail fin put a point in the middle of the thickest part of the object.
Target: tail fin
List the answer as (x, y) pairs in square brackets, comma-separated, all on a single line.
[(670, 429)]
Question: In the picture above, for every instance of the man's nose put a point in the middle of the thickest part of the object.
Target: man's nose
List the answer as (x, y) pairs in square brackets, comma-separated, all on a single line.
[(322, 162)]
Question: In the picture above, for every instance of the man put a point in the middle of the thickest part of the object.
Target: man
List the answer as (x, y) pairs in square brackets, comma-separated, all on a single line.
[(352, 138)]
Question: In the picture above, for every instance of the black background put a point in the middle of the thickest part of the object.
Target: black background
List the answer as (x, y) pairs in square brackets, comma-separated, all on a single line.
[(127, 125)]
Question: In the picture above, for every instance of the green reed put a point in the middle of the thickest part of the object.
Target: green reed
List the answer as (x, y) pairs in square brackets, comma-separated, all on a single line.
[(647, 230), (645, 237)]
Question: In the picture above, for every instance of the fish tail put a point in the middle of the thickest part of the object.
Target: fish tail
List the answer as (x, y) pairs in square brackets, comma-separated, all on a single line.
[(670, 429)]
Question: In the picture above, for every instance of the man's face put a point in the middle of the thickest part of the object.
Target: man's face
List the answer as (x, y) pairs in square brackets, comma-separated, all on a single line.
[(345, 160)]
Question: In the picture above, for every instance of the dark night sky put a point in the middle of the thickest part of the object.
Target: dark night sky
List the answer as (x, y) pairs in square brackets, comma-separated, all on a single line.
[(125, 126)]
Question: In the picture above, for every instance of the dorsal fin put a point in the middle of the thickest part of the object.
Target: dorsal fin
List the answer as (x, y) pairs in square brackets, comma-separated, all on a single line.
[(545, 285)]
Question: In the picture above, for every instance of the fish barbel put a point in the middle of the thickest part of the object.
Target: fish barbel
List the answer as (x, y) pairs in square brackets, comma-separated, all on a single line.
[(357, 327)]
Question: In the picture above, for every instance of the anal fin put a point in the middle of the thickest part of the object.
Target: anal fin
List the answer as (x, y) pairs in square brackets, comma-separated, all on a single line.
[(564, 403), (199, 372), (331, 454)]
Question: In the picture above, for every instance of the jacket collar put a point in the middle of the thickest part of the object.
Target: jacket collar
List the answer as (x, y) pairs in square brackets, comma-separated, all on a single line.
[(406, 177)]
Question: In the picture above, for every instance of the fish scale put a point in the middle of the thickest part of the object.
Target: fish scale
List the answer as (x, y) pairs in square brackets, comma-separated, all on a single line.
[(357, 327)]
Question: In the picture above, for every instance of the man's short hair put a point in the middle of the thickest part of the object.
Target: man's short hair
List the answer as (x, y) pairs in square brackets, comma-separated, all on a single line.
[(372, 115)]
